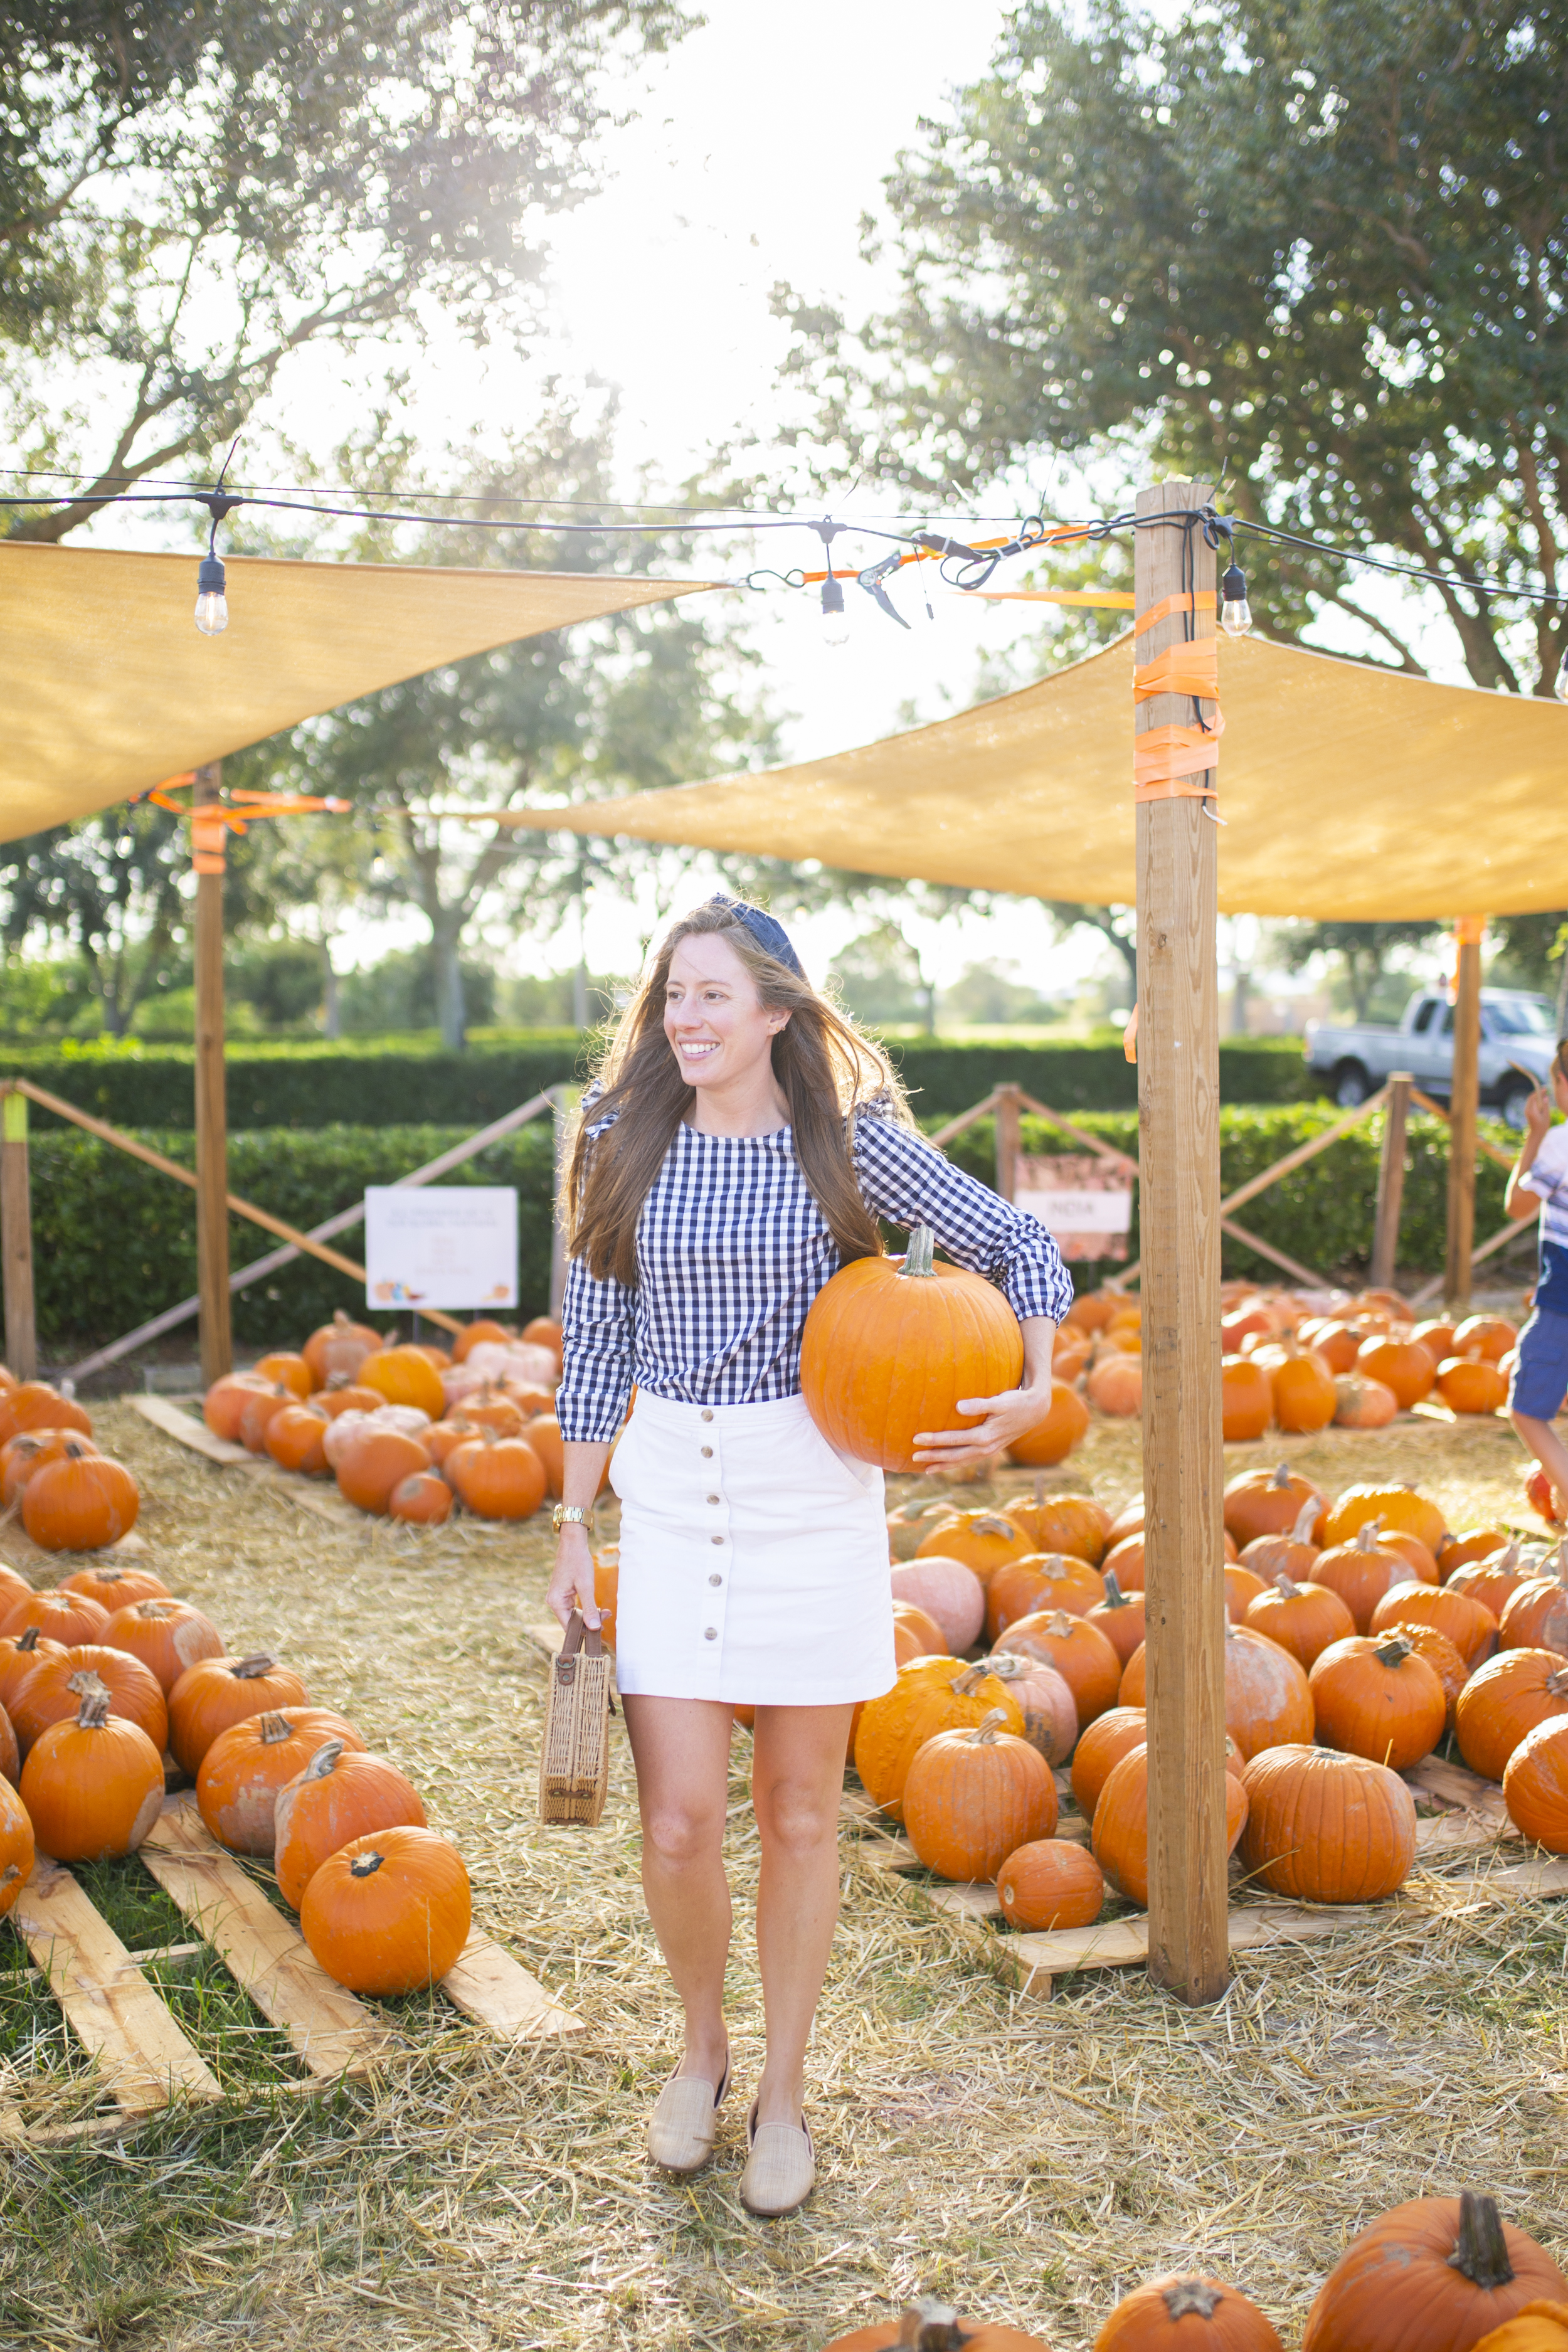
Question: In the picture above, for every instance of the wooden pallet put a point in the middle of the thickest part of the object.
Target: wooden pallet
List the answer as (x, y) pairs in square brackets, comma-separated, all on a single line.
[(144, 2060), (1472, 1820)]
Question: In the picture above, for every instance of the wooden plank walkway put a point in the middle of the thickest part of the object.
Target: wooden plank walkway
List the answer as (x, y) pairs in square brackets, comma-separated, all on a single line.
[(321, 1500)]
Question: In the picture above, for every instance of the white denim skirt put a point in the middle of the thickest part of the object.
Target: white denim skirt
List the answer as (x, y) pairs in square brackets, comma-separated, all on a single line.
[(753, 1559)]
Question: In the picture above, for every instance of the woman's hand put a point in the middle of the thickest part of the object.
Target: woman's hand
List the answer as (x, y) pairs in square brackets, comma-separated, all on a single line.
[(1007, 1417), (571, 1586), (1539, 1113)]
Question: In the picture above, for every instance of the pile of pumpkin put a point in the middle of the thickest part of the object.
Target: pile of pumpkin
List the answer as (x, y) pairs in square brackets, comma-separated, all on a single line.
[(1359, 1632), (100, 1675), (1438, 2274), (1285, 1364), (70, 1497), (407, 1431)]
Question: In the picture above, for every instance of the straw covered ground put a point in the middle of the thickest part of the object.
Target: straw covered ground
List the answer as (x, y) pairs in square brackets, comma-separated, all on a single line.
[(1032, 2160)]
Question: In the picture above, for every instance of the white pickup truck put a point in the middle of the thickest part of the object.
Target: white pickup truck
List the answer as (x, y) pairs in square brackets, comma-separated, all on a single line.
[(1516, 1028)]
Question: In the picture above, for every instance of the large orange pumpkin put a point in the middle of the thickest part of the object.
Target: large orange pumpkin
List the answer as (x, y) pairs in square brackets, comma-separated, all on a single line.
[(1502, 1701), (928, 2326), (260, 1411), (1075, 1524), (1267, 1503), (92, 1785), (1393, 1506), (1303, 1387), (167, 1636), (482, 1332), (341, 1795), (1119, 1617), (421, 1500), (1361, 1571), (1043, 1580), (1361, 1403), (1325, 1827), (242, 1771), (1241, 1590), (390, 1913), (497, 1478), (1187, 2315), (971, 1798), (1292, 1555), (288, 1368), (1534, 1618), (1438, 2274), (1080, 1653), (929, 1695), (1124, 1560), (1114, 1384), (82, 1502), (336, 1349), (19, 1654), (226, 1401), (1493, 1582), (1406, 1366), (984, 1540), (53, 1692), (1246, 1399), (891, 1345), (1471, 1384), (1050, 1883), (1266, 1697), (374, 1460), (1470, 1544), (1445, 1662), (61, 1616), (113, 1587), (1535, 1785), (34, 1405), (1376, 1696), (1109, 1737), (1053, 1437), (1302, 1618), (296, 1440), (1121, 1833), (28, 1451), (921, 1634), (1485, 1334), (217, 1692), (403, 1376)]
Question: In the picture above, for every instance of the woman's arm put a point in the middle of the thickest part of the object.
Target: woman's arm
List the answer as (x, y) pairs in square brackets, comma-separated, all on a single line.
[(1521, 1201), (598, 1346), (572, 1585), (1011, 1414)]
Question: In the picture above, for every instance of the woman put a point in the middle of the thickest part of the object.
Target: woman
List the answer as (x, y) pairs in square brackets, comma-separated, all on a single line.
[(739, 1148)]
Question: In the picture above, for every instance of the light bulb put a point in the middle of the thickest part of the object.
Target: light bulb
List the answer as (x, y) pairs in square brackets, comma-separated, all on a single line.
[(1235, 612), (212, 605), (834, 619)]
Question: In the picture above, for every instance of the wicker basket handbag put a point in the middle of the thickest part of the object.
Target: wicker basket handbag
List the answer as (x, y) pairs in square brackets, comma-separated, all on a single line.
[(574, 1758)]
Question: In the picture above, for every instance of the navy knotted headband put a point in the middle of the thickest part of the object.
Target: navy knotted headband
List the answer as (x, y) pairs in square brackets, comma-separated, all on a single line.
[(768, 933)]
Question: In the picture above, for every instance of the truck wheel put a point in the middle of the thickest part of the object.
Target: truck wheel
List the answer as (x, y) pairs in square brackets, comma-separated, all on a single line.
[(1351, 1085), (1512, 1106)]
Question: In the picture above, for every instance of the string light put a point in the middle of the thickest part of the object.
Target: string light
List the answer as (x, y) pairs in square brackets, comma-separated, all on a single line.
[(212, 603), (834, 619), (1235, 612)]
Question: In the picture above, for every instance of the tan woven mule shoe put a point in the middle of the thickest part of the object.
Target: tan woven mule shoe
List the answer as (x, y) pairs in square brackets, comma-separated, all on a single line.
[(684, 2124), (781, 2170)]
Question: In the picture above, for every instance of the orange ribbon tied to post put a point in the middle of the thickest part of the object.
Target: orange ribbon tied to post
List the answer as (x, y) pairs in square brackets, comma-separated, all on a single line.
[(212, 821), (1177, 762)]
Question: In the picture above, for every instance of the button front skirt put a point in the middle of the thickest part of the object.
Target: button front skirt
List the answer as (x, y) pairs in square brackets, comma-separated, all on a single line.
[(753, 1559)]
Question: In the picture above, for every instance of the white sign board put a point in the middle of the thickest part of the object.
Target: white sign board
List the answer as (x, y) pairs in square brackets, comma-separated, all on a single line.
[(1085, 1202), (440, 1245)]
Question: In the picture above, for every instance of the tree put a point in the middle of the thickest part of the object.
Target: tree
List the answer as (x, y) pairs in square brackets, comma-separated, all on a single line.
[(1308, 250), (1118, 926), (883, 980), (190, 195), (1364, 951)]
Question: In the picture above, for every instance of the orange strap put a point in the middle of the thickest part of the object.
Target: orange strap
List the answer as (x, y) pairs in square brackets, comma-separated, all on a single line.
[(1191, 668), (1169, 763), (1188, 603)]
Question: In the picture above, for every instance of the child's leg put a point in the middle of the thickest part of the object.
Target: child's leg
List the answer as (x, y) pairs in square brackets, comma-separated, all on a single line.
[(1540, 1384)]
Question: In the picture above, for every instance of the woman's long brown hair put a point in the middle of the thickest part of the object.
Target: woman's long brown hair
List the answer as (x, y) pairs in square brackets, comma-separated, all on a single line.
[(824, 1067)]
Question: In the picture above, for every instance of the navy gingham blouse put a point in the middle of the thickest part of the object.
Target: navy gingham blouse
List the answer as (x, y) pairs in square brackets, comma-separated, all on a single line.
[(732, 1249)]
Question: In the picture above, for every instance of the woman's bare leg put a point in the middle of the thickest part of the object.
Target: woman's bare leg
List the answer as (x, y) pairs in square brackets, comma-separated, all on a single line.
[(681, 1746), (1548, 1449), (797, 1777)]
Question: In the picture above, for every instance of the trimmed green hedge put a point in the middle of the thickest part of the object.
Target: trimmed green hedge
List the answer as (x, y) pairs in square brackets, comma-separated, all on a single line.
[(315, 1086), (115, 1242)]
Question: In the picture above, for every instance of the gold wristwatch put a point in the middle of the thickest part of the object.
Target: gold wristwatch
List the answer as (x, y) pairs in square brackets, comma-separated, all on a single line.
[(571, 1514)]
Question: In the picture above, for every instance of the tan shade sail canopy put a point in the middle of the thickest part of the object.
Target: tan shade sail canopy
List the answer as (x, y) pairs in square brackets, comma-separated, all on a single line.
[(1347, 792), (109, 686)]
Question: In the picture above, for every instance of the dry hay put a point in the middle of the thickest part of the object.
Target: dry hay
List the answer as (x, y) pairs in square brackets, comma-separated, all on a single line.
[(1034, 2158)]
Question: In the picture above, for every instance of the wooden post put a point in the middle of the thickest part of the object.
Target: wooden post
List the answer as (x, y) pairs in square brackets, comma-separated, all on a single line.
[(16, 1236), (1009, 1100), (1464, 1106), (211, 1112), (1390, 1182), (1184, 1463)]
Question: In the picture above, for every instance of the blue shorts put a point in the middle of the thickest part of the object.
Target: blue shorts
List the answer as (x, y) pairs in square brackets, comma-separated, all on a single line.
[(1540, 1373)]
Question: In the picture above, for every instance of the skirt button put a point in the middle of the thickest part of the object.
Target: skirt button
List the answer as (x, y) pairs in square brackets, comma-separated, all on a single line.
[(710, 1634), (707, 1412)]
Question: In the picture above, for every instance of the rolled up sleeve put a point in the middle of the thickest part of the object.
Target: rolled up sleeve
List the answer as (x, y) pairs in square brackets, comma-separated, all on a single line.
[(906, 1180)]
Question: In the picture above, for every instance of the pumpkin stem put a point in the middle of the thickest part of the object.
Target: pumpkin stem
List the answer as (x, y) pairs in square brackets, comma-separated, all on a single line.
[(29, 1640), (324, 1762), (985, 1732), (917, 1256), (1114, 1596), (929, 2326), (154, 1612), (1367, 1534), (1394, 1650), (272, 1727), (1060, 1623), (971, 1678), (1287, 1586), (1481, 2250), (1281, 1476), (13, 1870), (365, 1865), (1557, 1681), (93, 1712), (992, 1523), (1305, 1521), (258, 1662), (1192, 2294)]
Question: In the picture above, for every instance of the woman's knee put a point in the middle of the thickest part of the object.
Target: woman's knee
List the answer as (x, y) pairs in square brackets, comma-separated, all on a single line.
[(795, 1817), (682, 1836)]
